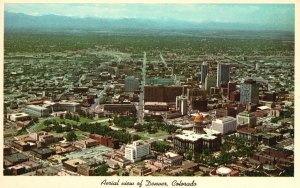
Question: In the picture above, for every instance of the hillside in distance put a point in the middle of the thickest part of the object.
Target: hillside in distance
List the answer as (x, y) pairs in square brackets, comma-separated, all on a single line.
[(19, 22)]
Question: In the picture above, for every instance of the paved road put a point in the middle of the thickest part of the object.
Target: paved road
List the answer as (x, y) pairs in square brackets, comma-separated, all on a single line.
[(163, 60), (140, 112), (159, 137), (239, 62), (100, 96), (100, 121)]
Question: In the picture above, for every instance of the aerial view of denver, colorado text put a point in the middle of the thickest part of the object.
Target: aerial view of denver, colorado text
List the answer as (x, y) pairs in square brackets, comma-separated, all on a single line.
[(149, 90)]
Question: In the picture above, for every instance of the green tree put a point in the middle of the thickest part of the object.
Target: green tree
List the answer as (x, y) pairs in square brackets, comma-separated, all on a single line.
[(135, 137), (188, 155), (124, 173), (160, 146), (139, 127), (101, 170), (58, 128), (71, 136)]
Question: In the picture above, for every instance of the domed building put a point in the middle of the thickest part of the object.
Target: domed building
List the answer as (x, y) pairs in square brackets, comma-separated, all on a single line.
[(198, 118), (198, 123)]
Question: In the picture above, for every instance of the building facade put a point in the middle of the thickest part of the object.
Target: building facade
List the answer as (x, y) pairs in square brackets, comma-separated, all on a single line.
[(137, 150), (210, 81), (181, 104), (131, 84), (223, 73), (161, 93), (192, 142), (170, 159), (204, 71), (246, 118), (225, 125), (249, 92), (37, 111)]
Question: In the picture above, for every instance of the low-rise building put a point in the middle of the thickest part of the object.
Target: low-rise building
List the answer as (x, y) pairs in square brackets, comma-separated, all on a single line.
[(23, 146), (37, 111), (88, 168), (156, 106), (190, 141), (170, 159), (119, 109), (48, 171), (282, 157), (247, 133), (45, 138), (6, 150), (269, 139), (64, 148), (25, 167), (105, 140), (42, 153), (246, 118), (225, 125), (140, 171), (120, 160), (57, 159), (73, 164), (18, 117), (62, 106), (16, 158), (86, 143)]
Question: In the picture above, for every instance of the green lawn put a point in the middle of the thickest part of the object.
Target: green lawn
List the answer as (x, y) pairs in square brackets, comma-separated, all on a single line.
[(72, 122), (80, 135), (146, 136), (39, 126), (85, 120)]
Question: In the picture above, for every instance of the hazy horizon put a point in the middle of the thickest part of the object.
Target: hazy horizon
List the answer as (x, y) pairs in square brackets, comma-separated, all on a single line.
[(277, 16)]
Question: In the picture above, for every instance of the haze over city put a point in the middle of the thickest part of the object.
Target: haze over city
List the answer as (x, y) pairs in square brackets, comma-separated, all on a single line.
[(255, 16)]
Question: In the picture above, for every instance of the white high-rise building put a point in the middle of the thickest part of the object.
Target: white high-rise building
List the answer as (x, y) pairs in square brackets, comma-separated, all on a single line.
[(181, 104), (135, 151), (224, 125)]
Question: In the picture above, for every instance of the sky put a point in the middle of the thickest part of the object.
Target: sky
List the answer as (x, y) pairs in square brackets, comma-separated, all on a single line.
[(282, 15)]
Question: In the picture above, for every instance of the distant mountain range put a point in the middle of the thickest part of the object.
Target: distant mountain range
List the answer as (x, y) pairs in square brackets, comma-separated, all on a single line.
[(15, 22)]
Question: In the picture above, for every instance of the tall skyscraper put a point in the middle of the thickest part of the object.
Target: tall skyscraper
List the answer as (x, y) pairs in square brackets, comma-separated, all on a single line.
[(223, 73), (204, 71), (131, 84), (249, 92), (210, 81)]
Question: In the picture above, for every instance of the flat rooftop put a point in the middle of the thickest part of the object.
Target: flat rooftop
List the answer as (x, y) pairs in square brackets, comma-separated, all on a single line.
[(36, 107), (94, 152), (225, 119), (171, 154), (192, 136)]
